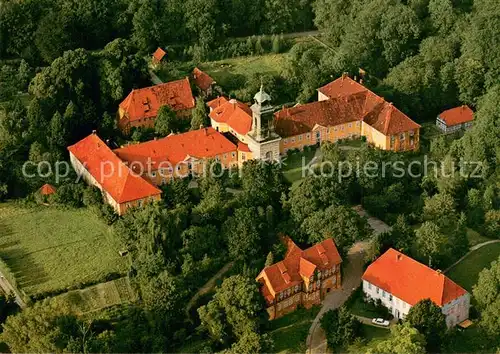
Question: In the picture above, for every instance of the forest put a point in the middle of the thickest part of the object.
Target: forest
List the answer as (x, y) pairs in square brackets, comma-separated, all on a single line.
[(65, 66)]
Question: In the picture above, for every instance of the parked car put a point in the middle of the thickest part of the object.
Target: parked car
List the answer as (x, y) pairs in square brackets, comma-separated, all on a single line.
[(380, 322)]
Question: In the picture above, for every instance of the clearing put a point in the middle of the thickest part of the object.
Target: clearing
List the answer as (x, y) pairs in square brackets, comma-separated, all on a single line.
[(49, 249), (232, 73), (467, 271)]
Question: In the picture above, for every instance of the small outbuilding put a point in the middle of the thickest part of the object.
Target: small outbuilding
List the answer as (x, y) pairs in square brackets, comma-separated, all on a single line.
[(455, 119), (158, 56), (47, 189)]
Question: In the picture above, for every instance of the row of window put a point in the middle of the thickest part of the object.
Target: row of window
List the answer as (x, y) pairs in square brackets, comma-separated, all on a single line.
[(318, 133)]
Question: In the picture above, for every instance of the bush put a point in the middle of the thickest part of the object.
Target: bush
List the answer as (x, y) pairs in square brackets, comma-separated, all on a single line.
[(108, 214), (91, 196), (70, 194)]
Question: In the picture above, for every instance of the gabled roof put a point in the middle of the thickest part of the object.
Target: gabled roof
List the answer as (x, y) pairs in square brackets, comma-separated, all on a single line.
[(297, 265), (348, 101), (457, 115), (202, 79), (410, 280), (175, 148), (145, 102), (159, 54), (243, 147), (235, 114), (110, 172), (217, 102), (47, 189)]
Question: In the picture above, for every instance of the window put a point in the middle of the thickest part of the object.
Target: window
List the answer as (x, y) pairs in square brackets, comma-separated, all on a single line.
[(293, 139), (377, 290), (308, 136), (383, 293), (300, 137), (349, 125), (233, 155), (225, 156), (390, 297), (178, 167), (296, 288), (163, 181), (153, 174), (243, 156), (370, 286), (393, 140)]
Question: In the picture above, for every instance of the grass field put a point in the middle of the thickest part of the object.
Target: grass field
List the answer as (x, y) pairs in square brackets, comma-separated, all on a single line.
[(99, 296), (289, 333), (50, 249), (475, 237), (293, 164), (226, 72), (466, 272)]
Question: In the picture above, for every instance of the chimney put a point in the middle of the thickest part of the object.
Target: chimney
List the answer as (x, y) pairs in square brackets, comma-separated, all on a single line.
[(201, 126), (94, 131), (438, 271), (399, 257), (355, 78), (361, 81), (205, 130)]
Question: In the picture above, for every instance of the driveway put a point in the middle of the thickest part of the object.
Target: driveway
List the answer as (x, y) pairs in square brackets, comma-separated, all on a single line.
[(377, 225), (316, 340)]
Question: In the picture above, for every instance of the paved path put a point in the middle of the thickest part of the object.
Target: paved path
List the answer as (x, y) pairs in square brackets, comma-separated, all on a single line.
[(316, 340), (472, 249), (209, 285), (377, 225)]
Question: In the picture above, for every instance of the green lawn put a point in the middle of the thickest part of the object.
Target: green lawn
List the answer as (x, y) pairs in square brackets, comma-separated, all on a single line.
[(289, 333), (371, 336), (294, 162), (50, 249), (358, 307), (476, 238), (466, 272), (228, 72)]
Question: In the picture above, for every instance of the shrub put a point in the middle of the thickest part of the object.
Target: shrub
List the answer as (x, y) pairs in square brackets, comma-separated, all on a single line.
[(70, 194), (91, 196), (108, 214)]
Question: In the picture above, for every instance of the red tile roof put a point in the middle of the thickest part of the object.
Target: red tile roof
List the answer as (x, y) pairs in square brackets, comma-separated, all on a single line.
[(110, 172), (235, 114), (349, 101), (202, 79), (219, 101), (47, 189), (297, 265), (410, 280), (146, 101), (457, 115), (175, 148), (243, 147), (159, 54)]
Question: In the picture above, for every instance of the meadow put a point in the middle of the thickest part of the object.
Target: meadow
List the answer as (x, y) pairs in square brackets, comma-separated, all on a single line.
[(49, 249)]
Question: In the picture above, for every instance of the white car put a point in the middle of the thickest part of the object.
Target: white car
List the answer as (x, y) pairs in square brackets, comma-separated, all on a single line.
[(380, 322)]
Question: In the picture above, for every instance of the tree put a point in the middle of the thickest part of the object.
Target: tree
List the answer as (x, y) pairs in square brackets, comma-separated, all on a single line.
[(166, 121), (200, 117), (487, 294), (233, 311), (242, 234), (145, 32), (200, 20), (404, 339), (269, 259), (430, 321), (431, 242), (492, 223), (44, 327), (339, 222), (341, 327)]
